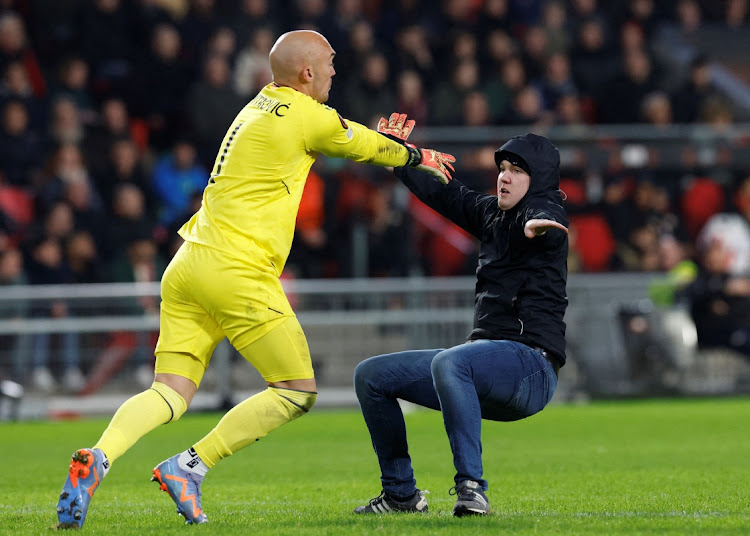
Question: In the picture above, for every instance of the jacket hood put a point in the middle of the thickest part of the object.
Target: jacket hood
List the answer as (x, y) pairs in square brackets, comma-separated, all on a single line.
[(542, 159)]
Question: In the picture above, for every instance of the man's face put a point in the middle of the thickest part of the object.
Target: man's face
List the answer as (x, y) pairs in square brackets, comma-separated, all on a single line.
[(512, 184), (323, 72)]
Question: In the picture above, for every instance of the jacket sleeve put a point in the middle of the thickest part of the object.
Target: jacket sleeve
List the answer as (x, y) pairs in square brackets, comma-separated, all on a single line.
[(545, 208), (326, 132), (468, 209)]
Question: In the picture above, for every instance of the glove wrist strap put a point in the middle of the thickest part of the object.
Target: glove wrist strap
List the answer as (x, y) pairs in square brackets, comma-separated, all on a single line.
[(415, 156)]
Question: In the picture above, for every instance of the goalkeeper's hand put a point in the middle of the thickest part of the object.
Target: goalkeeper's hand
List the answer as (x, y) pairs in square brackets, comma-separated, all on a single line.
[(433, 162), (398, 128)]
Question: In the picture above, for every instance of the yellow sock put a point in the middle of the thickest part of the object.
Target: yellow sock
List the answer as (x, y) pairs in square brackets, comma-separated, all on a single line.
[(138, 416), (252, 419)]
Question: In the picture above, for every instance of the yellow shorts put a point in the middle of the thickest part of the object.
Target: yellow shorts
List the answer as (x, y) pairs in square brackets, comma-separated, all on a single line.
[(207, 295)]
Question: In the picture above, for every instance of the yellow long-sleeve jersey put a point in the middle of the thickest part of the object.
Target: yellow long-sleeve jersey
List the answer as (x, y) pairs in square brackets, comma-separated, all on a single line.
[(251, 201)]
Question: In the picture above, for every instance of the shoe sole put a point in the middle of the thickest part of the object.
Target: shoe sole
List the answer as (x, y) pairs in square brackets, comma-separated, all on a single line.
[(81, 465), (463, 511)]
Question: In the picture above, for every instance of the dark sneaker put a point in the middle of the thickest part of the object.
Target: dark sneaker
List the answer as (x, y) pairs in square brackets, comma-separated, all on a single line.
[(471, 500), (385, 504), (86, 470)]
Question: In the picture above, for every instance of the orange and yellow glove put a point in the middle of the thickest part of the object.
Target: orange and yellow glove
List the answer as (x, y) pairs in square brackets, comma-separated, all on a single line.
[(398, 128)]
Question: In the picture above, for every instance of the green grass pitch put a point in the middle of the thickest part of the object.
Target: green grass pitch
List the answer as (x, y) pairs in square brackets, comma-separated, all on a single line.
[(646, 467)]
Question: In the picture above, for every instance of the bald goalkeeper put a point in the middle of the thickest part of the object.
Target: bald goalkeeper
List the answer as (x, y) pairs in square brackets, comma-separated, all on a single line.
[(224, 280)]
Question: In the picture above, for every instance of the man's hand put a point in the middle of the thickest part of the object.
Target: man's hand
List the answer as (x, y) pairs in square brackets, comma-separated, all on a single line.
[(436, 163), (538, 227), (397, 126)]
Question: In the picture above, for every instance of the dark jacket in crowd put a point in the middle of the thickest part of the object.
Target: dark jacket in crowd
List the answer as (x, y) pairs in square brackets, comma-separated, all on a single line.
[(520, 289)]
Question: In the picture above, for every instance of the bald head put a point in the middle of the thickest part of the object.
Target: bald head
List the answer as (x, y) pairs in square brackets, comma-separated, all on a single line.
[(303, 60)]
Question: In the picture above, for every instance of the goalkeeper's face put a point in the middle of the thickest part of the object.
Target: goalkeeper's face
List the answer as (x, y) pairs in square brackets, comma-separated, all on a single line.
[(323, 72)]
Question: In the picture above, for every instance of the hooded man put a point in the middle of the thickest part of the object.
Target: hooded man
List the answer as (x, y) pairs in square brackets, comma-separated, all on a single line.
[(507, 369)]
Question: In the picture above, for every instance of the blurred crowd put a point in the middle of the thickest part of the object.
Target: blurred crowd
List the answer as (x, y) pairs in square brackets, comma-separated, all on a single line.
[(111, 113)]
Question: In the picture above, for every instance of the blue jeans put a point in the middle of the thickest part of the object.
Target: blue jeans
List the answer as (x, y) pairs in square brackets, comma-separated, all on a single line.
[(497, 380)]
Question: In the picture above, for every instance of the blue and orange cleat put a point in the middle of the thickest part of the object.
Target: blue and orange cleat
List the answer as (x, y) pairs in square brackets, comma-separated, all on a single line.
[(87, 468), (183, 486)]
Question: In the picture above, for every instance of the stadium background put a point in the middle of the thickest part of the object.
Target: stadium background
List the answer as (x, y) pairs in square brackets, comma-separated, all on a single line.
[(112, 111)]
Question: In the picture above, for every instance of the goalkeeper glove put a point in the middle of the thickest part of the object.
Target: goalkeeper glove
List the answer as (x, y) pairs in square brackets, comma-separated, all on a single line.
[(398, 128), (433, 162)]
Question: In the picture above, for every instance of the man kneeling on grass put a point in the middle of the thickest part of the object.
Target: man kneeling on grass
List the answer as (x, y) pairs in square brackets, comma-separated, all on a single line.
[(508, 368)]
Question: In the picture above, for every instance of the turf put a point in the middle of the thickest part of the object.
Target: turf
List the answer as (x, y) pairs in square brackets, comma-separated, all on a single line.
[(647, 467)]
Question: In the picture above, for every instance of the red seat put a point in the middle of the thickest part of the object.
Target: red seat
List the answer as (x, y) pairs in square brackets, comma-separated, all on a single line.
[(593, 241), (703, 198), (17, 204)]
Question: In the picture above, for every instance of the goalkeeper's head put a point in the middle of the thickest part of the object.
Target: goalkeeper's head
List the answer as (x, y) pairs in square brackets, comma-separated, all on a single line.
[(303, 60)]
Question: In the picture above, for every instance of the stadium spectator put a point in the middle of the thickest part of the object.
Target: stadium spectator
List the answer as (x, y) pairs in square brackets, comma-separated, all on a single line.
[(108, 40), (113, 124), (508, 368), (212, 104), (72, 82), (621, 97), (691, 97), (556, 81), (177, 176), (224, 281), (64, 166), (82, 257), (410, 96), (129, 220), (528, 109), (125, 166), (17, 86), (249, 17), (556, 27), (20, 146), (720, 296), (16, 351), (141, 262), (65, 125), (15, 46), (534, 51), (164, 79), (371, 94), (252, 70), (45, 265), (414, 52), (447, 95), (307, 256), (591, 59), (202, 20)]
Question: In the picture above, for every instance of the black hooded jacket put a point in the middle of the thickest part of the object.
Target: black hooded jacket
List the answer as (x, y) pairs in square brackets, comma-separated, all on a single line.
[(520, 289)]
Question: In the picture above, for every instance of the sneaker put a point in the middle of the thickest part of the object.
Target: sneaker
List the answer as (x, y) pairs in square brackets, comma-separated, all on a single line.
[(385, 504), (73, 380), (183, 486), (87, 469), (144, 376), (471, 499), (41, 379)]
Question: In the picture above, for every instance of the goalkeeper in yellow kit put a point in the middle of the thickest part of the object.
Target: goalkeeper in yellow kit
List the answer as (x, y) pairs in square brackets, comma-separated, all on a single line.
[(224, 280)]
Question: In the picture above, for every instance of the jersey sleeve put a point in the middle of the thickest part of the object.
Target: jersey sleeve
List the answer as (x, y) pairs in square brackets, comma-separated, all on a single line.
[(328, 133)]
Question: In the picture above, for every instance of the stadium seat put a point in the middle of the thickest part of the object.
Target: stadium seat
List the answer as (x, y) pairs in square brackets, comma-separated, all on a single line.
[(594, 241)]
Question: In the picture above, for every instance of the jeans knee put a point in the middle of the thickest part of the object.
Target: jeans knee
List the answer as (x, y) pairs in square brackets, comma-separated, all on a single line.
[(445, 366), (363, 373)]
